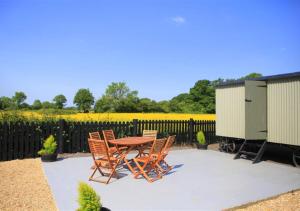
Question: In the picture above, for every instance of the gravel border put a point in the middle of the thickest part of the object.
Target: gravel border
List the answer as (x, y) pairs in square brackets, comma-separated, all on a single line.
[(24, 186), (286, 201)]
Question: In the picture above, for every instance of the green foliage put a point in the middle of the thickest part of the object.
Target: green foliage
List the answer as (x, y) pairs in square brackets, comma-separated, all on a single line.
[(203, 96), (117, 98), (201, 138), (117, 91), (47, 105), (49, 146), (251, 75), (88, 199), (102, 105), (163, 106), (84, 100), (182, 103), (19, 98), (60, 101), (36, 105), (150, 106), (127, 105), (25, 106), (6, 103)]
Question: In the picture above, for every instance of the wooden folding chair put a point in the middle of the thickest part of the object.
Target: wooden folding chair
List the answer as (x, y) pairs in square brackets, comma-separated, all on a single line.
[(161, 164), (145, 165), (143, 150), (150, 133), (96, 136), (109, 135), (103, 159)]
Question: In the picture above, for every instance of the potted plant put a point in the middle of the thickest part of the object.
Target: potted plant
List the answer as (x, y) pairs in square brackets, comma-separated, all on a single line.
[(88, 199), (48, 152), (201, 144)]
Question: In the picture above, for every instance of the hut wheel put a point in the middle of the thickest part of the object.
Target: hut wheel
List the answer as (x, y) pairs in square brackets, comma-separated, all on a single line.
[(296, 158), (227, 145)]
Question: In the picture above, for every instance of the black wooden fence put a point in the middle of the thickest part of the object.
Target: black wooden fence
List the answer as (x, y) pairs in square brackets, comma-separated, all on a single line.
[(20, 140)]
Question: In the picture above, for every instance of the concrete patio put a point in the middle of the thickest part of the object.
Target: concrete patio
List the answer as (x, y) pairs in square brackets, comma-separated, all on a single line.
[(201, 180)]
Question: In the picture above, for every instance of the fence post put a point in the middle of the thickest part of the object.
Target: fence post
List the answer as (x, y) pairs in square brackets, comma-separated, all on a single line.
[(60, 137), (191, 131), (135, 127)]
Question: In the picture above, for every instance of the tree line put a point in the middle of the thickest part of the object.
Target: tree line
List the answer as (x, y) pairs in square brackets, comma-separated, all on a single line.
[(118, 97)]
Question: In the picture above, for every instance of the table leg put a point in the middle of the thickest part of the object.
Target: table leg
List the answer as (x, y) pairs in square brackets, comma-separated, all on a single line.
[(127, 161)]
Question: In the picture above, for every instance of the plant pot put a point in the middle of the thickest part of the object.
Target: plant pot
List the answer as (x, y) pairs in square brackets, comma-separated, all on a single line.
[(201, 146), (49, 158), (104, 209)]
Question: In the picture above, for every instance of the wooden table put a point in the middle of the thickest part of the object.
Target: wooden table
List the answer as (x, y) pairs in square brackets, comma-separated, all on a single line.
[(131, 143)]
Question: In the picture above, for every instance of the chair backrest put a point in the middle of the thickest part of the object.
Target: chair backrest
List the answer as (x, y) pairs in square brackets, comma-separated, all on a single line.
[(108, 135), (150, 133), (98, 148), (168, 145), (158, 146), (95, 135)]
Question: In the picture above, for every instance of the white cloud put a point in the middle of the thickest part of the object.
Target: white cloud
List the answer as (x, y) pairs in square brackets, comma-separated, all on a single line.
[(178, 20)]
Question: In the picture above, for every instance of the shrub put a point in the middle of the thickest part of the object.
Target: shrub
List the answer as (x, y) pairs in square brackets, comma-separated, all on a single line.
[(49, 146), (88, 199), (201, 138)]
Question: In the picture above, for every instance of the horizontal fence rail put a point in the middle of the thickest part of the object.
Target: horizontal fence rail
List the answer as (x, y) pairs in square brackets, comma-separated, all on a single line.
[(20, 140)]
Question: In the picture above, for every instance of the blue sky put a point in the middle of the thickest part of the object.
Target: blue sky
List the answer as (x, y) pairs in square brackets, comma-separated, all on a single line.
[(160, 48)]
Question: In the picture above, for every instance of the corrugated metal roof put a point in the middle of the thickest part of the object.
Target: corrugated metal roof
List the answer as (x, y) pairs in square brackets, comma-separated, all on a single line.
[(263, 78)]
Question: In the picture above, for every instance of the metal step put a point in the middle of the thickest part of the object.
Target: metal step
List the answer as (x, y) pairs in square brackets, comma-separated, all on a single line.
[(257, 155), (260, 152), (248, 153), (238, 154)]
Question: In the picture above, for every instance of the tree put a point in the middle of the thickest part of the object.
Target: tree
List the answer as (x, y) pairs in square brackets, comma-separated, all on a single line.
[(117, 90), (25, 106), (102, 105), (47, 105), (182, 103), (164, 106), (83, 100), (5, 103), (60, 101), (203, 96), (117, 98), (251, 75), (36, 105), (19, 98), (129, 103), (145, 105)]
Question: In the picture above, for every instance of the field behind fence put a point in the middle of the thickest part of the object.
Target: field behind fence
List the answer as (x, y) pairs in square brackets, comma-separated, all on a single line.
[(20, 140), (46, 115)]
